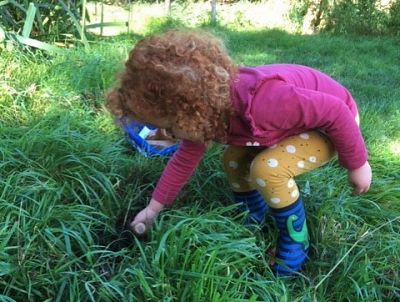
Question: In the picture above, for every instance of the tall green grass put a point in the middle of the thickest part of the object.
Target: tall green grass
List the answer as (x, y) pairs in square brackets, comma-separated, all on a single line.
[(67, 176), (31, 23)]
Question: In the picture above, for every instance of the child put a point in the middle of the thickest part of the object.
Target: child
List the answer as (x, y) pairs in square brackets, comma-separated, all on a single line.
[(278, 121)]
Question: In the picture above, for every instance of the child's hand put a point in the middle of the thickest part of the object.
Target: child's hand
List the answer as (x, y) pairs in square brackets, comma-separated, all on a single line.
[(361, 178), (148, 215)]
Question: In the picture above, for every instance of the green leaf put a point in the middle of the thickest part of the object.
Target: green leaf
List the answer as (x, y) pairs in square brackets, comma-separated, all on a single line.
[(30, 17), (39, 20), (6, 299), (6, 268), (36, 43), (2, 34), (105, 24)]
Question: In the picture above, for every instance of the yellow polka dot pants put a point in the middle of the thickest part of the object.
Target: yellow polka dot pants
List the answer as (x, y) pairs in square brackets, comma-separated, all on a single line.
[(271, 171)]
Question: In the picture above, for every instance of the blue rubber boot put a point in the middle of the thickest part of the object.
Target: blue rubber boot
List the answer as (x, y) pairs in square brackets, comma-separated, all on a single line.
[(293, 241), (253, 202)]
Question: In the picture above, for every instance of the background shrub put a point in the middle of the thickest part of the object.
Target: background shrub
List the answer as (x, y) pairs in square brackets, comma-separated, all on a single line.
[(54, 19), (365, 17)]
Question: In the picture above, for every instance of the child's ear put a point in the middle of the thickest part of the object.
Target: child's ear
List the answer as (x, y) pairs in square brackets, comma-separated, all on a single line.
[(114, 103)]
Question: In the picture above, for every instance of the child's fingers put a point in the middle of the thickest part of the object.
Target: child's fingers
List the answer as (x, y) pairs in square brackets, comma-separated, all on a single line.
[(139, 228), (360, 190), (140, 217)]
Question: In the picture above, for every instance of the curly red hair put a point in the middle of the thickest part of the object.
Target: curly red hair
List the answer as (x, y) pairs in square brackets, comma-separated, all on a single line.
[(184, 76)]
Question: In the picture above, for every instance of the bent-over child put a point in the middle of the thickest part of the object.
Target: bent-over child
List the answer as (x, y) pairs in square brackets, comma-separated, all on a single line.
[(278, 121)]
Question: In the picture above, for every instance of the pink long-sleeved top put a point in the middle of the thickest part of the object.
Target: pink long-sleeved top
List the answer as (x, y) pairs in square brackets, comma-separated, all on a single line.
[(273, 102)]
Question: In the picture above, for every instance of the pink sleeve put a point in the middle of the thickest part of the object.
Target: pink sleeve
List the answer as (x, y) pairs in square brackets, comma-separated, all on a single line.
[(309, 109), (178, 171)]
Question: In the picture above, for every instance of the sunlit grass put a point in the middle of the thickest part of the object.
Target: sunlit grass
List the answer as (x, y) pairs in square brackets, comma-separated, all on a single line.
[(67, 175)]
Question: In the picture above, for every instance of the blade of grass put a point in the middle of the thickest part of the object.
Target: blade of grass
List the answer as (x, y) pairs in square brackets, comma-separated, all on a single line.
[(105, 24), (2, 34), (36, 43), (6, 299), (90, 289), (61, 291), (16, 4), (39, 20), (83, 18), (363, 236), (30, 17), (7, 18)]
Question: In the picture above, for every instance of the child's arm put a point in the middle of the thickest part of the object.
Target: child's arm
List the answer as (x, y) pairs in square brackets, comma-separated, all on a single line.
[(293, 107), (334, 116), (178, 171), (176, 174)]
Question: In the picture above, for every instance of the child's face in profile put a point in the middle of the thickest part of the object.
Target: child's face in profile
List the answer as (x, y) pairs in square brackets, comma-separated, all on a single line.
[(169, 124), (146, 115), (182, 134)]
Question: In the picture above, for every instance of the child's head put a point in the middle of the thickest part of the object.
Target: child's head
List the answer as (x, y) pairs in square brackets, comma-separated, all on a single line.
[(179, 80)]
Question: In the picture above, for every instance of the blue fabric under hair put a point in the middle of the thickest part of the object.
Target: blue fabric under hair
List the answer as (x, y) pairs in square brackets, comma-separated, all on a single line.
[(134, 132)]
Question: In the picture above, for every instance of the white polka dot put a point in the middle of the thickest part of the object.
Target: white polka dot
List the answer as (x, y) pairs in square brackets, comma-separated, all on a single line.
[(273, 146), (291, 183), (273, 163), (300, 164), (261, 182), (295, 193), (252, 144), (235, 185), (290, 148), (312, 159), (275, 200), (233, 164), (304, 136)]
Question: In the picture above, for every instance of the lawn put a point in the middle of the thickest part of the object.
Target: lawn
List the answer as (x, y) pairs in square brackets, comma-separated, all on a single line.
[(67, 176)]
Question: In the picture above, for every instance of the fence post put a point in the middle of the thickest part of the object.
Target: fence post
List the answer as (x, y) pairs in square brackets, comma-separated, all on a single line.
[(168, 6), (130, 17), (213, 12), (102, 18), (83, 17)]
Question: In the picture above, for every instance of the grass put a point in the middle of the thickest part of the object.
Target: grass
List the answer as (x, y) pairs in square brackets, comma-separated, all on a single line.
[(67, 175)]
